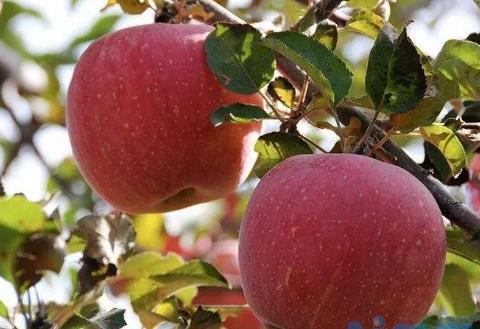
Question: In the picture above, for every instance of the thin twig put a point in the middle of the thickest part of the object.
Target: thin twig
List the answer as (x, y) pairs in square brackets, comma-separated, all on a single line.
[(303, 95), (367, 133), (29, 298), (339, 128), (385, 138), (272, 107), (69, 311), (22, 309)]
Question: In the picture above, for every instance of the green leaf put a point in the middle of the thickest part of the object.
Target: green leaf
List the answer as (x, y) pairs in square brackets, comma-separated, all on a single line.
[(193, 273), (203, 319), (21, 215), (147, 292), (150, 272), (282, 90), (326, 70), (424, 114), (3, 310), (458, 69), (275, 147), (442, 169), (132, 7), (139, 269), (114, 319), (395, 80), (365, 22), (435, 322), (457, 79), (104, 25), (327, 34), (460, 244), (18, 218), (169, 310), (369, 4), (12, 9), (149, 263), (238, 59), (11, 240), (447, 143), (455, 293), (377, 77), (238, 113), (76, 322), (406, 80), (466, 51)]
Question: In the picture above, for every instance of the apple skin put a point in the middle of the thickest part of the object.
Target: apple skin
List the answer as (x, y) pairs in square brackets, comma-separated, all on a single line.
[(330, 239), (138, 117), (223, 296)]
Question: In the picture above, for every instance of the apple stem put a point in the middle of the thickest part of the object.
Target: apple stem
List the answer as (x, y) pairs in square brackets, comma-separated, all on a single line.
[(367, 134)]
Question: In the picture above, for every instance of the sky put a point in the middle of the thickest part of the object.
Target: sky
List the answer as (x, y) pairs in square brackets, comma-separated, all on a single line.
[(459, 18)]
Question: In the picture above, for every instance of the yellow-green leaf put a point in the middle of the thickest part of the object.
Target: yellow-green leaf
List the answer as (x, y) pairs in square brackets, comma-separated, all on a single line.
[(365, 22), (281, 89), (448, 143), (423, 114), (133, 7), (455, 293), (369, 4), (3, 310), (458, 69)]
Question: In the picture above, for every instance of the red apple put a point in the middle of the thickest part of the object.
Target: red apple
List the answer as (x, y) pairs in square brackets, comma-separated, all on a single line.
[(222, 296), (138, 110), (332, 239)]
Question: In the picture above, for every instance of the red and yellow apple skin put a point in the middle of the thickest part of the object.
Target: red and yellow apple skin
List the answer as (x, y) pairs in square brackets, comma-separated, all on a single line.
[(331, 239), (138, 116)]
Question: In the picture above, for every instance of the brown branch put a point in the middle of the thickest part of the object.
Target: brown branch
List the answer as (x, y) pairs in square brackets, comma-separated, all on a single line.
[(451, 208)]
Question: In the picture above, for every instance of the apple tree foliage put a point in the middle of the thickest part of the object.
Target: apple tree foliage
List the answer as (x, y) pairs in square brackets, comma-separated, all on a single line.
[(407, 93)]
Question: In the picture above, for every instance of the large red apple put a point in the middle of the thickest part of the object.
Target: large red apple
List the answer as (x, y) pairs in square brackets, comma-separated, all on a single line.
[(222, 296), (332, 239), (138, 110)]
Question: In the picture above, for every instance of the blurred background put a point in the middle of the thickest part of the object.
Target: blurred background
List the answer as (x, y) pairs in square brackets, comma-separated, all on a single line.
[(40, 42)]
